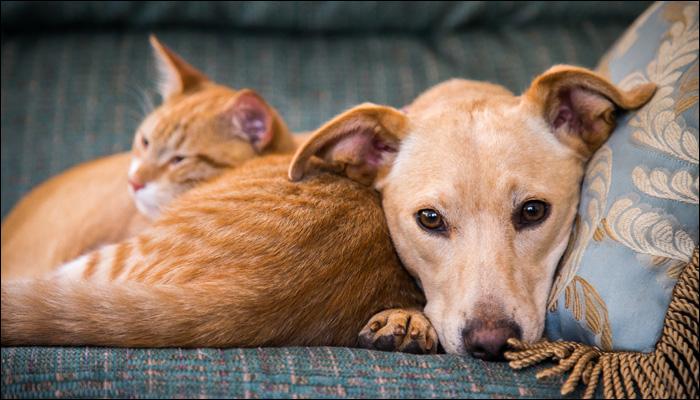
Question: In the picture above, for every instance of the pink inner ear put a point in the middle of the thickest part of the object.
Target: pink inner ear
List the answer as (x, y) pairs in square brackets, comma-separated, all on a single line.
[(379, 148), (254, 119), (253, 123), (564, 115), (569, 113), (363, 146), (580, 111)]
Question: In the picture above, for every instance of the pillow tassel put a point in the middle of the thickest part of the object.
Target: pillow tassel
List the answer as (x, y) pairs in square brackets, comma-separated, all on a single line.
[(670, 371)]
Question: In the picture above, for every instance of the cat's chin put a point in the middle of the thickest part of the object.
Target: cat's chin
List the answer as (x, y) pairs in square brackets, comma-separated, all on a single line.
[(147, 210), (146, 201)]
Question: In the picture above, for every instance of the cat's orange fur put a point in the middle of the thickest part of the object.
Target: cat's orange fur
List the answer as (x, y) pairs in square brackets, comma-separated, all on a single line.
[(249, 259), (46, 228), (90, 205)]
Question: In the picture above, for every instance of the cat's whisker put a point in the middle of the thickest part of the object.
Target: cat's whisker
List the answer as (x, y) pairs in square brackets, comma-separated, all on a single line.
[(141, 100)]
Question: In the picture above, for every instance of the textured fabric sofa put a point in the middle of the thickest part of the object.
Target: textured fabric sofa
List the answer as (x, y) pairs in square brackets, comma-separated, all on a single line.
[(75, 83)]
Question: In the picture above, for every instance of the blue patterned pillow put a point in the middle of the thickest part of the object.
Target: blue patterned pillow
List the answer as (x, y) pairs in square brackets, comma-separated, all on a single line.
[(638, 217)]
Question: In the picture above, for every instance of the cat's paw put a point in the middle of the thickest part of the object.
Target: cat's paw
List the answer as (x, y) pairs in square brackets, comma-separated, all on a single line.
[(408, 331)]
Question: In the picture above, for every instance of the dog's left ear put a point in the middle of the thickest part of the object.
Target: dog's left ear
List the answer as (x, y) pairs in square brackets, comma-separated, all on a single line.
[(361, 143), (579, 106)]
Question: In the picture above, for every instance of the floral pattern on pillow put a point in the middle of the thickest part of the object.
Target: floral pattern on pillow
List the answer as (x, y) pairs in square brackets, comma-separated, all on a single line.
[(638, 217)]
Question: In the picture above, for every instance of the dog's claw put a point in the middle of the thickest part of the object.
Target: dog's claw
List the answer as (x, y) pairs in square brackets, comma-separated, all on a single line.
[(415, 333), (407, 331), (400, 331)]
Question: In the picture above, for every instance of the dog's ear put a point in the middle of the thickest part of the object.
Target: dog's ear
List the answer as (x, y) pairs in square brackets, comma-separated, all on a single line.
[(361, 142), (580, 106), (175, 75)]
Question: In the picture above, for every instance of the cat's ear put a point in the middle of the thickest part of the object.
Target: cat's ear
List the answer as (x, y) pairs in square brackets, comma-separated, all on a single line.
[(175, 75), (253, 119), (361, 143)]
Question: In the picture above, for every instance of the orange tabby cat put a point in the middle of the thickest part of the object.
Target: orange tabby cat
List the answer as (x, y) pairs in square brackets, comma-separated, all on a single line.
[(200, 130), (249, 259)]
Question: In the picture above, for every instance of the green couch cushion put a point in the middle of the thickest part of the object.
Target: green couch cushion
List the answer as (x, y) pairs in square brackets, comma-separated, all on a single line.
[(91, 372), (335, 16)]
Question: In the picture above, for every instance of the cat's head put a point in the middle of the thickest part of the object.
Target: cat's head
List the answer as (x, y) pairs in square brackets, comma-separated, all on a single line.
[(200, 130)]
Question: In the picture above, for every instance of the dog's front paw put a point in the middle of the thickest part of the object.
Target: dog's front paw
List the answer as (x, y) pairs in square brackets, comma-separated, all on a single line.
[(408, 331)]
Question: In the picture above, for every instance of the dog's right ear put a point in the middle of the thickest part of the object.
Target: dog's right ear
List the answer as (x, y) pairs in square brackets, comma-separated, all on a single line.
[(580, 106), (361, 142), (175, 74)]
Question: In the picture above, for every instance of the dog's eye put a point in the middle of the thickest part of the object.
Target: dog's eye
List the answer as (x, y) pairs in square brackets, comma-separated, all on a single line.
[(430, 220), (144, 142), (531, 213), (534, 211)]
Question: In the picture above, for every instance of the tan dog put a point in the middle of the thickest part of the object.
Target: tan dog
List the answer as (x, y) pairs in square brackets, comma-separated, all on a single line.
[(480, 189)]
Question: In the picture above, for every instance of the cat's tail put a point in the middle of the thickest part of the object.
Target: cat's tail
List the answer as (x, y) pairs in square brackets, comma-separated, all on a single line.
[(75, 312)]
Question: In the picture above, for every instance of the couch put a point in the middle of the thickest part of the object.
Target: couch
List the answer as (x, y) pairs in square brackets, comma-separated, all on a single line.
[(77, 77)]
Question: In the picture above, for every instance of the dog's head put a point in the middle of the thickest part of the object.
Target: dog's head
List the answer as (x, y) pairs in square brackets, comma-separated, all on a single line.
[(480, 189)]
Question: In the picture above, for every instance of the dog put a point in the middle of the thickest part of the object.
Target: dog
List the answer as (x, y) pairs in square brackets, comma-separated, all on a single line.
[(480, 189)]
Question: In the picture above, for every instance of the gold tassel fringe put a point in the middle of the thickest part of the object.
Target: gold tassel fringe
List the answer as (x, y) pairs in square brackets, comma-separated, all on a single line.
[(670, 371)]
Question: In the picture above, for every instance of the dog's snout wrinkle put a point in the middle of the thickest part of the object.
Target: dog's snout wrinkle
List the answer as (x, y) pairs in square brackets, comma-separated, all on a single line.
[(487, 339)]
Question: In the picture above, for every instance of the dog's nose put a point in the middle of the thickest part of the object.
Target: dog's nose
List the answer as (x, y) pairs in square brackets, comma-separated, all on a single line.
[(136, 185), (488, 340)]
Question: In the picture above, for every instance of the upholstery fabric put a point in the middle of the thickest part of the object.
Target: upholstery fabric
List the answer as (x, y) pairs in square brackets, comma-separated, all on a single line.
[(309, 16), (638, 217), (271, 373)]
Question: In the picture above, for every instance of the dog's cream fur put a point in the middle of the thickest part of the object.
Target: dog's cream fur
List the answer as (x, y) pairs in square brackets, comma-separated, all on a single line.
[(475, 152)]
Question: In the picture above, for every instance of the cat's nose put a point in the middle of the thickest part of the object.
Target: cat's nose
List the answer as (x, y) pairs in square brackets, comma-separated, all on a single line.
[(136, 185)]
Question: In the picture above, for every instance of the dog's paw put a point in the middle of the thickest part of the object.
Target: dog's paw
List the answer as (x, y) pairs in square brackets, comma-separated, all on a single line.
[(408, 331)]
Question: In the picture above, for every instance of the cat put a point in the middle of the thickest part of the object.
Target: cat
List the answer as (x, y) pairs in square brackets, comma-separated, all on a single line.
[(248, 259), (202, 129)]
